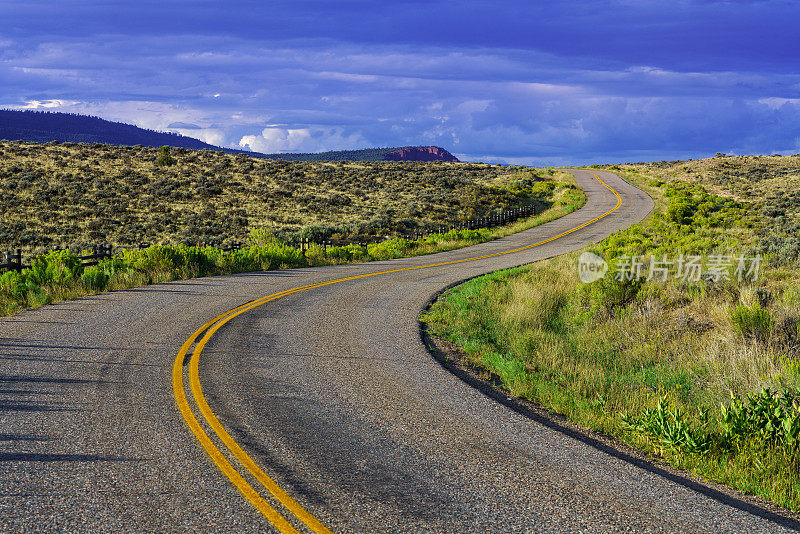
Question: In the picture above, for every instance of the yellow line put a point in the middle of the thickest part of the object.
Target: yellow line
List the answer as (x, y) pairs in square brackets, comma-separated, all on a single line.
[(197, 391), (241, 484)]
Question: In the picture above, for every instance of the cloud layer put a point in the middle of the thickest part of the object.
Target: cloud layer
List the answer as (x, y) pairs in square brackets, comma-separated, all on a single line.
[(576, 82)]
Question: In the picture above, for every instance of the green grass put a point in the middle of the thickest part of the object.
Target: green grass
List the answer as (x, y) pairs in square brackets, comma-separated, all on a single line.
[(654, 363), (58, 275), (770, 183)]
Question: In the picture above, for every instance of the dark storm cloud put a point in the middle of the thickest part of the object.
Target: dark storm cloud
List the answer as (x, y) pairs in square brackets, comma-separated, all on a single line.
[(560, 82)]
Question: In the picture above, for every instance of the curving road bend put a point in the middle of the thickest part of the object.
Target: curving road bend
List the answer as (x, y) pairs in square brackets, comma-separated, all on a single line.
[(331, 392)]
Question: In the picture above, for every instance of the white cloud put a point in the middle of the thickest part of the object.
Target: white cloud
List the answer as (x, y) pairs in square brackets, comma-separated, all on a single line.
[(47, 104), (276, 140), (212, 136), (347, 77), (777, 103), (312, 139)]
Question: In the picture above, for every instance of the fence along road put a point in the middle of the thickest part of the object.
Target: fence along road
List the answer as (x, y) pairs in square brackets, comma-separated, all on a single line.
[(328, 391)]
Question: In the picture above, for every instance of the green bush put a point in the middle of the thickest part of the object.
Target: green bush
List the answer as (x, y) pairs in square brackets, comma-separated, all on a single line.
[(610, 294), (94, 278), (164, 158), (113, 265), (541, 189), (16, 286), (154, 258), (59, 267), (315, 255), (680, 212), (277, 255), (202, 259), (261, 236), (754, 322), (250, 259), (9, 280), (347, 253), (31, 295), (389, 249)]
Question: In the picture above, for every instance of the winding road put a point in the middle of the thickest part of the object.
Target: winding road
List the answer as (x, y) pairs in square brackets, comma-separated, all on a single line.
[(311, 403)]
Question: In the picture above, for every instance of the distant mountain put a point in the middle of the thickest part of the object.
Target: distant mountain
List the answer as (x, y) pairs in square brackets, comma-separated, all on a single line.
[(43, 126), (46, 126)]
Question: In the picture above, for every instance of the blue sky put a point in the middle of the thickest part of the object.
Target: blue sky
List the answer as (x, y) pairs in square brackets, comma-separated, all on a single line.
[(517, 81)]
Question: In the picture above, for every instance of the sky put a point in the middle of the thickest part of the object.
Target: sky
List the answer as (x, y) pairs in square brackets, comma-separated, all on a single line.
[(519, 82)]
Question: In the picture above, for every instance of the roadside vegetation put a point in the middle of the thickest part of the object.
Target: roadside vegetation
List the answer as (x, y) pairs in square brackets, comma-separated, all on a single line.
[(59, 275), (703, 372)]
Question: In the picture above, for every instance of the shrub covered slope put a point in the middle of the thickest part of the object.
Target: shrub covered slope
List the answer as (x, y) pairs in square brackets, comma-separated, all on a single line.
[(78, 194)]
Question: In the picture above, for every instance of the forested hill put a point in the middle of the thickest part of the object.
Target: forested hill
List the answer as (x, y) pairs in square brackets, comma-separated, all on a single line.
[(42, 127), (45, 126)]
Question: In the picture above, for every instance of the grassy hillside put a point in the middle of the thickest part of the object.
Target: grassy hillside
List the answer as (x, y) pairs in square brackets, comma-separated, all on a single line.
[(78, 194), (674, 365), (770, 183)]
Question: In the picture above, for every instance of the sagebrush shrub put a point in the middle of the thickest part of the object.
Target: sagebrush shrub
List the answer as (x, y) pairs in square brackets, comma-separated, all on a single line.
[(752, 321), (58, 267)]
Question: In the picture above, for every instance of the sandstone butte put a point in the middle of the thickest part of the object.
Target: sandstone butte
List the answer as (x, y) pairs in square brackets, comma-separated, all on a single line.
[(420, 153)]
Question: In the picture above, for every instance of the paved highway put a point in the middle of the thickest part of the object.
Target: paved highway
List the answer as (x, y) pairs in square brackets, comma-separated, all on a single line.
[(313, 410)]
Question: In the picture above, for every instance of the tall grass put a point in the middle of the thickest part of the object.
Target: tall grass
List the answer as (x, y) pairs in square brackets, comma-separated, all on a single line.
[(652, 371), (704, 374)]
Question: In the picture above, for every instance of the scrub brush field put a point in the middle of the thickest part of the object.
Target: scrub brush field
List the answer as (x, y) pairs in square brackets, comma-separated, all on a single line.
[(82, 194), (186, 204)]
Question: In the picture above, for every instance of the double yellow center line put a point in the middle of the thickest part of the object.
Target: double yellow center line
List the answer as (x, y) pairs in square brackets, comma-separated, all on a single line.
[(200, 338)]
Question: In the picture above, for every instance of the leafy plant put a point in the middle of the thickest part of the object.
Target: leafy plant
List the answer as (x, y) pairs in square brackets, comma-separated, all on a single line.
[(164, 158), (771, 417), (56, 267), (680, 212), (154, 258), (670, 428)]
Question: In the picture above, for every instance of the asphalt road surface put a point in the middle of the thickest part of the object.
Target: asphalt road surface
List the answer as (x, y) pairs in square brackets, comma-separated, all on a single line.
[(330, 392)]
